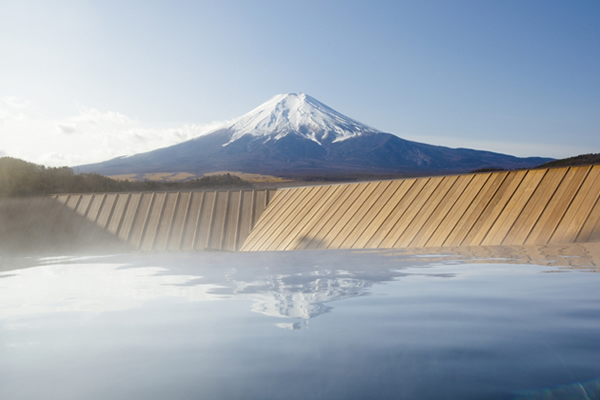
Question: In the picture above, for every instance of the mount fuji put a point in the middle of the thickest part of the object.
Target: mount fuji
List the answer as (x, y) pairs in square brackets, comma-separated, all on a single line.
[(295, 135)]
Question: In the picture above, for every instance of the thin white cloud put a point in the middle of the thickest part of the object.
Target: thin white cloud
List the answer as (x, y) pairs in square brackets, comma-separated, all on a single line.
[(89, 136), (12, 108)]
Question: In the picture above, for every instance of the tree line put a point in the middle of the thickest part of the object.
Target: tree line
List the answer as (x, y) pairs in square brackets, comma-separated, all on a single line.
[(19, 178)]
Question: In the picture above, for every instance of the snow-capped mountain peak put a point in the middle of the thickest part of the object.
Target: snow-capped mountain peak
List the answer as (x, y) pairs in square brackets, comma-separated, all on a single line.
[(299, 114)]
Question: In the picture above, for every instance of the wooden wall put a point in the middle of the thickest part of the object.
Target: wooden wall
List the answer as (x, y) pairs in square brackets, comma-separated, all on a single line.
[(525, 207), (174, 221)]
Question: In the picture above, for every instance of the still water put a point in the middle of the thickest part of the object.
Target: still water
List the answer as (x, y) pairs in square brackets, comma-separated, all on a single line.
[(296, 325)]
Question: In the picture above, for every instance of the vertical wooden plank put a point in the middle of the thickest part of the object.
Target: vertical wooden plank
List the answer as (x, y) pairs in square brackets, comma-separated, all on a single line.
[(494, 208), (73, 201), (153, 221), (94, 211), (558, 206), (579, 209), (181, 211), (467, 224), (232, 220), (129, 216), (192, 222), (215, 237), (62, 198), (353, 219), (118, 213), (205, 218), (246, 218), (166, 221), (84, 204), (449, 223), (140, 220), (411, 212), (106, 211), (514, 207)]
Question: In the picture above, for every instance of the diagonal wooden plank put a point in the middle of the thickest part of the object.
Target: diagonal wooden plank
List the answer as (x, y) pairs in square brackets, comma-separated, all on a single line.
[(352, 218), (558, 205), (441, 211), (411, 212), (513, 208), (579, 209)]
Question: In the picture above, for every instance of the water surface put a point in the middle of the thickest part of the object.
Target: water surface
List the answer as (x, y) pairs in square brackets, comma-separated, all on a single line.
[(297, 325)]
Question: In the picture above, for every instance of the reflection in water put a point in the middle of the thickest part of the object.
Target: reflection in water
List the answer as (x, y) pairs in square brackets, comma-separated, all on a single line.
[(391, 325)]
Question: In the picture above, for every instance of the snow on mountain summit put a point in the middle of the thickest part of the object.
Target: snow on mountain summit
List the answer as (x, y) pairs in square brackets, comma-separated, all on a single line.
[(296, 114)]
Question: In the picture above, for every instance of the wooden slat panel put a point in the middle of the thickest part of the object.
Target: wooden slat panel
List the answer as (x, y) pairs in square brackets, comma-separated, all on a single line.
[(140, 220), (355, 222), (247, 208), (336, 219), (287, 233), (532, 211), (106, 211), (182, 209), (569, 227), (411, 212), (166, 222), (260, 226), (218, 221), (279, 216), (558, 206), (373, 219), (494, 208), (513, 208), (192, 222), (296, 203), (118, 213), (337, 234), (232, 218), (429, 206), (94, 209), (473, 214), (153, 221), (73, 201), (407, 194), (84, 204), (303, 234), (589, 232), (129, 216), (442, 209), (450, 222), (205, 221), (314, 233), (62, 198)]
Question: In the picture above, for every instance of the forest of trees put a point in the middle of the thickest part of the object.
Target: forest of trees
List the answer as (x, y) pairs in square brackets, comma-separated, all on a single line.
[(20, 178)]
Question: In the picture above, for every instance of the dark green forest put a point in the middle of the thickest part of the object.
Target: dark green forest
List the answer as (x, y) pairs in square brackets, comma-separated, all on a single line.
[(20, 178)]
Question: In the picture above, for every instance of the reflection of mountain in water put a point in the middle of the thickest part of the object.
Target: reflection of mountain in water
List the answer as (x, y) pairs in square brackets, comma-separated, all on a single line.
[(300, 295)]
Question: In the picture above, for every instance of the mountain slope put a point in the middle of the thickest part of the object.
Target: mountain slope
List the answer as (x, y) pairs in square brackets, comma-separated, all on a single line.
[(294, 134)]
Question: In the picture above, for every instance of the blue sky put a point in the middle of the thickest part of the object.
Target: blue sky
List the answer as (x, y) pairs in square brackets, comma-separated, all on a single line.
[(84, 81)]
